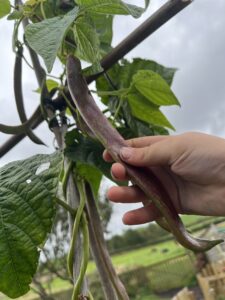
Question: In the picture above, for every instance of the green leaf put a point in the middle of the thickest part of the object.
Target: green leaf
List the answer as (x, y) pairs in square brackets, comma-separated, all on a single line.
[(46, 37), (142, 109), (4, 8), (154, 88), (103, 25), (86, 151), (15, 15), (119, 93), (27, 191), (102, 84), (128, 69), (122, 74), (91, 174), (111, 7), (87, 40), (50, 83), (137, 127)]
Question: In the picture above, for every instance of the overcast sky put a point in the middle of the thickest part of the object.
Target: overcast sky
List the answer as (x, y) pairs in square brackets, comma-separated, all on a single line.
[(193, 42)]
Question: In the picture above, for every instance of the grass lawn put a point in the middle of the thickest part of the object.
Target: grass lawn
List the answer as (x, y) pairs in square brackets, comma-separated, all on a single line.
[(144, 256)]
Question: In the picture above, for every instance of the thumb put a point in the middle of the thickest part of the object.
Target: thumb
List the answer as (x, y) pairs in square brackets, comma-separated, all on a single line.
[(157, 154)]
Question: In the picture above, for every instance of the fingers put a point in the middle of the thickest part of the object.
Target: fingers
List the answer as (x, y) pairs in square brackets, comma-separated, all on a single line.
[(141, 215), (138, 143), (118, 172), (106, 156), (133, 194), (126, 194), (146, 141), (158, 154)]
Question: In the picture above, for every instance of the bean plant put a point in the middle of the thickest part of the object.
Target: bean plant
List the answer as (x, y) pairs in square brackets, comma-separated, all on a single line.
[(132, 93)]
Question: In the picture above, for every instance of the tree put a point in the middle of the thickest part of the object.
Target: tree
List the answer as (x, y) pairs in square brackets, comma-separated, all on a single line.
[(132, 92)]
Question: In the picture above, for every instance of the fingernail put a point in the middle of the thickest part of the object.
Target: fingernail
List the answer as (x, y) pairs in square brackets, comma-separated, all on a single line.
[(113, 176), (125, 153)]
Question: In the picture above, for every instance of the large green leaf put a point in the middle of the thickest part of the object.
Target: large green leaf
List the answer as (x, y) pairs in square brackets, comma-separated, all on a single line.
[(154, 88), (27, 190), (135, 127), (4, 8), (104, 28), (91, 174), (122, 74), (87, 40), (111, 7), (142, 109), (128, 69), (46, 37), (86, 151)]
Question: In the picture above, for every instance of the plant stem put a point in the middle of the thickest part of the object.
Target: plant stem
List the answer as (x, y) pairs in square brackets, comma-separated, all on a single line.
[(113, 287), (66, 206), (18, 93), (76, 225), (66, 177), (85, 258)]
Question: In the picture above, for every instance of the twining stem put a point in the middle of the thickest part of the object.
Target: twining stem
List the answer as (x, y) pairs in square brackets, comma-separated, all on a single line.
[(111, 283), (70, 258), (66, 206), (142, 177), (66, 177), (85, 258), (42, 10), (18, 92), (23, 128), (117, 111)]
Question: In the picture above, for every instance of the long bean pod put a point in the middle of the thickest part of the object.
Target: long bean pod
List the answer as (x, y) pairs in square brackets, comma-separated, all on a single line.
[(113, 142), (23, 128), (18, 92)]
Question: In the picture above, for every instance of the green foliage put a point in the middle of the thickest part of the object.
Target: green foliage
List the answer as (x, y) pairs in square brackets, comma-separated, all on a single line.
[(91, 174), (15, 15), (105, 33), (46, 37), (142, 109), (152, 86), (90, 41), (87, 153), (86, 150), (134, 237), (27, 191), (87, 40), (145, 91), (4, 8), (130, 68), (111, 7), (122, 73)]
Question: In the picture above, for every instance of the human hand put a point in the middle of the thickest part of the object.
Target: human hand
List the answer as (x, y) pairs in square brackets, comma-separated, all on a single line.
[(191, 167)]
